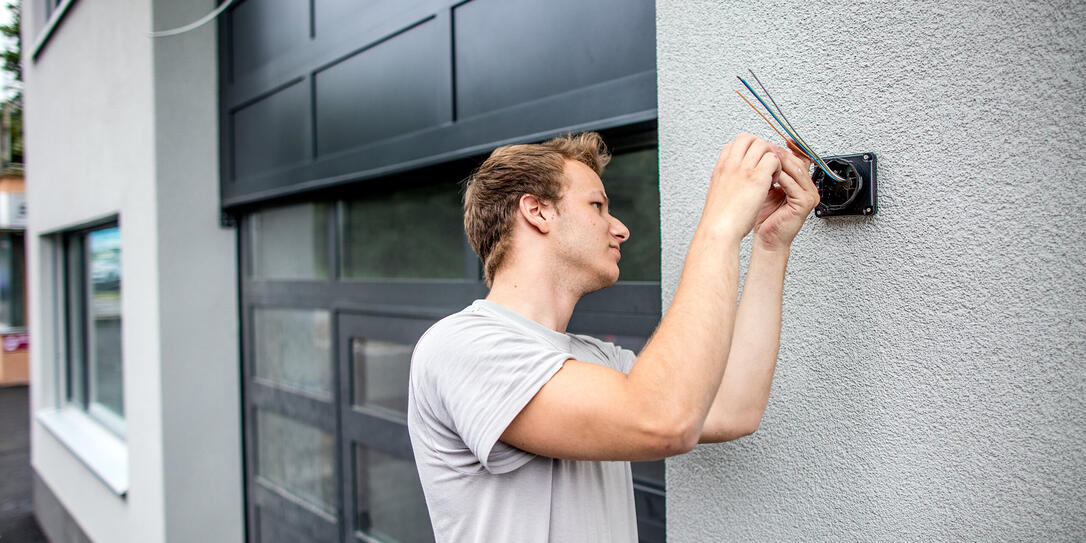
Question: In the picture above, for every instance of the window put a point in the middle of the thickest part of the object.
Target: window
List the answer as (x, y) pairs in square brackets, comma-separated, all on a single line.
[(46, 17), (631, 181), (335, 293), (51, 6), (376, 228), (290, 242), (11, 281), (92, 304)]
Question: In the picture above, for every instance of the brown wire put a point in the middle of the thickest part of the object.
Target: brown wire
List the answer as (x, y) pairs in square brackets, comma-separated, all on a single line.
[(760, 114)]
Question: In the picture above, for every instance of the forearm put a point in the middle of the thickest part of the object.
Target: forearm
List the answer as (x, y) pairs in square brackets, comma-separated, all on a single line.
[(744, 390), (680, 369)]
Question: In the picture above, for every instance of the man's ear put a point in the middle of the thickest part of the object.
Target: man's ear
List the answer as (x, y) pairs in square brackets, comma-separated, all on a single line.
[(537, 212)]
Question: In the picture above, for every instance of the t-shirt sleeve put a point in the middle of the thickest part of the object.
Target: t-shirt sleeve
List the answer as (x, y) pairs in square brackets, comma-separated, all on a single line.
[(626, 359), (484, 374)]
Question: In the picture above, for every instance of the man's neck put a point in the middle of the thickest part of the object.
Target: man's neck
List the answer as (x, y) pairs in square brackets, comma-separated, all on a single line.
[(537, 294)]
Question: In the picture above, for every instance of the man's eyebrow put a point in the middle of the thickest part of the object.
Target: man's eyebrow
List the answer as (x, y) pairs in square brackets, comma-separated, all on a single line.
[(603, 195)]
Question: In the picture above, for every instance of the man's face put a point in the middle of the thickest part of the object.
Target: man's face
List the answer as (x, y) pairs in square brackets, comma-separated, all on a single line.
[(588, 237)]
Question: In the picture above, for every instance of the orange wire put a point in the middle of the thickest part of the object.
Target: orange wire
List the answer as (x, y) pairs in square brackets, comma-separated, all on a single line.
[(760, 114)]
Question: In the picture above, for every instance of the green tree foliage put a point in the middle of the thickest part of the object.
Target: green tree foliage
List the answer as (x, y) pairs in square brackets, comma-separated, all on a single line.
[(12, 56), (13, 64)]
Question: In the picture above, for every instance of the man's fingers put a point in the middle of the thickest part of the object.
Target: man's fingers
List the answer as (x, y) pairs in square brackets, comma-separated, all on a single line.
[(738, 148), (725, 154), (790, 186), (756, 153), (768, 164), (798, 152), (794, 190), (799, 169)]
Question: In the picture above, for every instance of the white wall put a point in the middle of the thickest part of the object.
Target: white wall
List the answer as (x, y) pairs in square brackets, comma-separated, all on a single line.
[(90, 154), (118, 125), (931, 383), (198, 298)]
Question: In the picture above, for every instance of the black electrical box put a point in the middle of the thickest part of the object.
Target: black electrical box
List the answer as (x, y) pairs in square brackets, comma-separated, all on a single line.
[(853, 196)]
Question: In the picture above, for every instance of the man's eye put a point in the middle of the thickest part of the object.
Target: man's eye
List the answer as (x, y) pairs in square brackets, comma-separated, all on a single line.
[(599, 205)]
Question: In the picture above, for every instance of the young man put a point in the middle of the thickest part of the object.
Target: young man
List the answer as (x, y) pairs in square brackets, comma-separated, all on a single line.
[(523, 432)]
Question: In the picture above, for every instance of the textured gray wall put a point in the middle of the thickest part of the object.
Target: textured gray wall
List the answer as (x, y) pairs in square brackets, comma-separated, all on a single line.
[(931, 384)]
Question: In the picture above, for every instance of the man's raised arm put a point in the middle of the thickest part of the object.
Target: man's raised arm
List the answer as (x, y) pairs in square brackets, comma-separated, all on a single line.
[(587, 411), (744, 390)]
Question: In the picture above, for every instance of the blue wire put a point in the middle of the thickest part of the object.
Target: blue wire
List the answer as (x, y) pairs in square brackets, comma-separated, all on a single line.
[(779, 110), (802, 145), (799, 142), (818, 160)]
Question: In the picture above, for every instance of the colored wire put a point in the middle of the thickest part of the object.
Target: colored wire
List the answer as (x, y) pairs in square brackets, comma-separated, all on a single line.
[(787, 126), (783, 137), (801, 144), (779, 110), (821, 163)]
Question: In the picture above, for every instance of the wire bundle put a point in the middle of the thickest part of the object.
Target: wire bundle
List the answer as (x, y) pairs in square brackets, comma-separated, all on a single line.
[(787, 126)]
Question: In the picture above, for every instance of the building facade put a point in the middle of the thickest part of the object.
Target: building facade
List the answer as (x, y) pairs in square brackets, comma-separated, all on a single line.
[(135, 425), (236, 234)]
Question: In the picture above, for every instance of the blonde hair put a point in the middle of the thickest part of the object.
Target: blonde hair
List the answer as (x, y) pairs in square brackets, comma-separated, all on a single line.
[(494, 190)]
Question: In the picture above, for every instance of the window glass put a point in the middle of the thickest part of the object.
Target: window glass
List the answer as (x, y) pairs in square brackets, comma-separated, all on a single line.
[(390, 505), (415, 232), (650, 473), (76, 302), (292, 349), (11, 280), (90, 295), (632, 184), (290, 242), (104, 316), (297, 458), (380, 371)]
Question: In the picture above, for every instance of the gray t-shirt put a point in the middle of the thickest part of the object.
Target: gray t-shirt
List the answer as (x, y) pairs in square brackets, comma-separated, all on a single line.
[(471, 374)]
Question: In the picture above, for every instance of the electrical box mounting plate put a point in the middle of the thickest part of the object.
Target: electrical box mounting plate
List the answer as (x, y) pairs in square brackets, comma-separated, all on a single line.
[(856, 194)]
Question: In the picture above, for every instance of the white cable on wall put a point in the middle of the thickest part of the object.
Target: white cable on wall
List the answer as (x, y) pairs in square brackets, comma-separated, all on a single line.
[(191, 26)]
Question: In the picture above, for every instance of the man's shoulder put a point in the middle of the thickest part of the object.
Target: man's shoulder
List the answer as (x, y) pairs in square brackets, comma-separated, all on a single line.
[(460, 326), (461, 333), (608, 353), (592, 340)]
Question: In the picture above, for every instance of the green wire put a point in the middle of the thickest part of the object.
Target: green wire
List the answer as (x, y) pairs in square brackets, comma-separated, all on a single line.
[(802, 145)]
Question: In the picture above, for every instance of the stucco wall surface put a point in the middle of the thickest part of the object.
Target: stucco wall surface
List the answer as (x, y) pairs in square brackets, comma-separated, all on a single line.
[(931, 383)]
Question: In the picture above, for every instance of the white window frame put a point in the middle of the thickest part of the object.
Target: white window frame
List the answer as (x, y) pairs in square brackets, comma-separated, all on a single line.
[(51, 23), (93, 434)]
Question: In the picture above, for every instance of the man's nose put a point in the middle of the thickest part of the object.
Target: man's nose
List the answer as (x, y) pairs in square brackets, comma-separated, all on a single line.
[(619, 230)]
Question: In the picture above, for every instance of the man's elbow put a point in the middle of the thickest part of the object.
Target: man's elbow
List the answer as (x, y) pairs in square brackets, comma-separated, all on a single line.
[(731, 429), (748, 425), (673, 436)]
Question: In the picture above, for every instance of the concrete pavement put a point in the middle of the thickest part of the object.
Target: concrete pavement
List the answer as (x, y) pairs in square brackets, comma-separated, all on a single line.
[(17, 523)]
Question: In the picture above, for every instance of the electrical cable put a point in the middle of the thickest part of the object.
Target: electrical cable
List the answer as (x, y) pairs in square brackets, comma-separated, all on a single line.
[(814, 156), (818, 159), (194, 25), (783, 137), (801, 144), (785, 124), (779, 110)]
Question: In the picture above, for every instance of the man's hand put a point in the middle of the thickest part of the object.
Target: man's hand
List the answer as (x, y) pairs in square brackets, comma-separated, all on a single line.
[(787, 206), (744, 172)]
